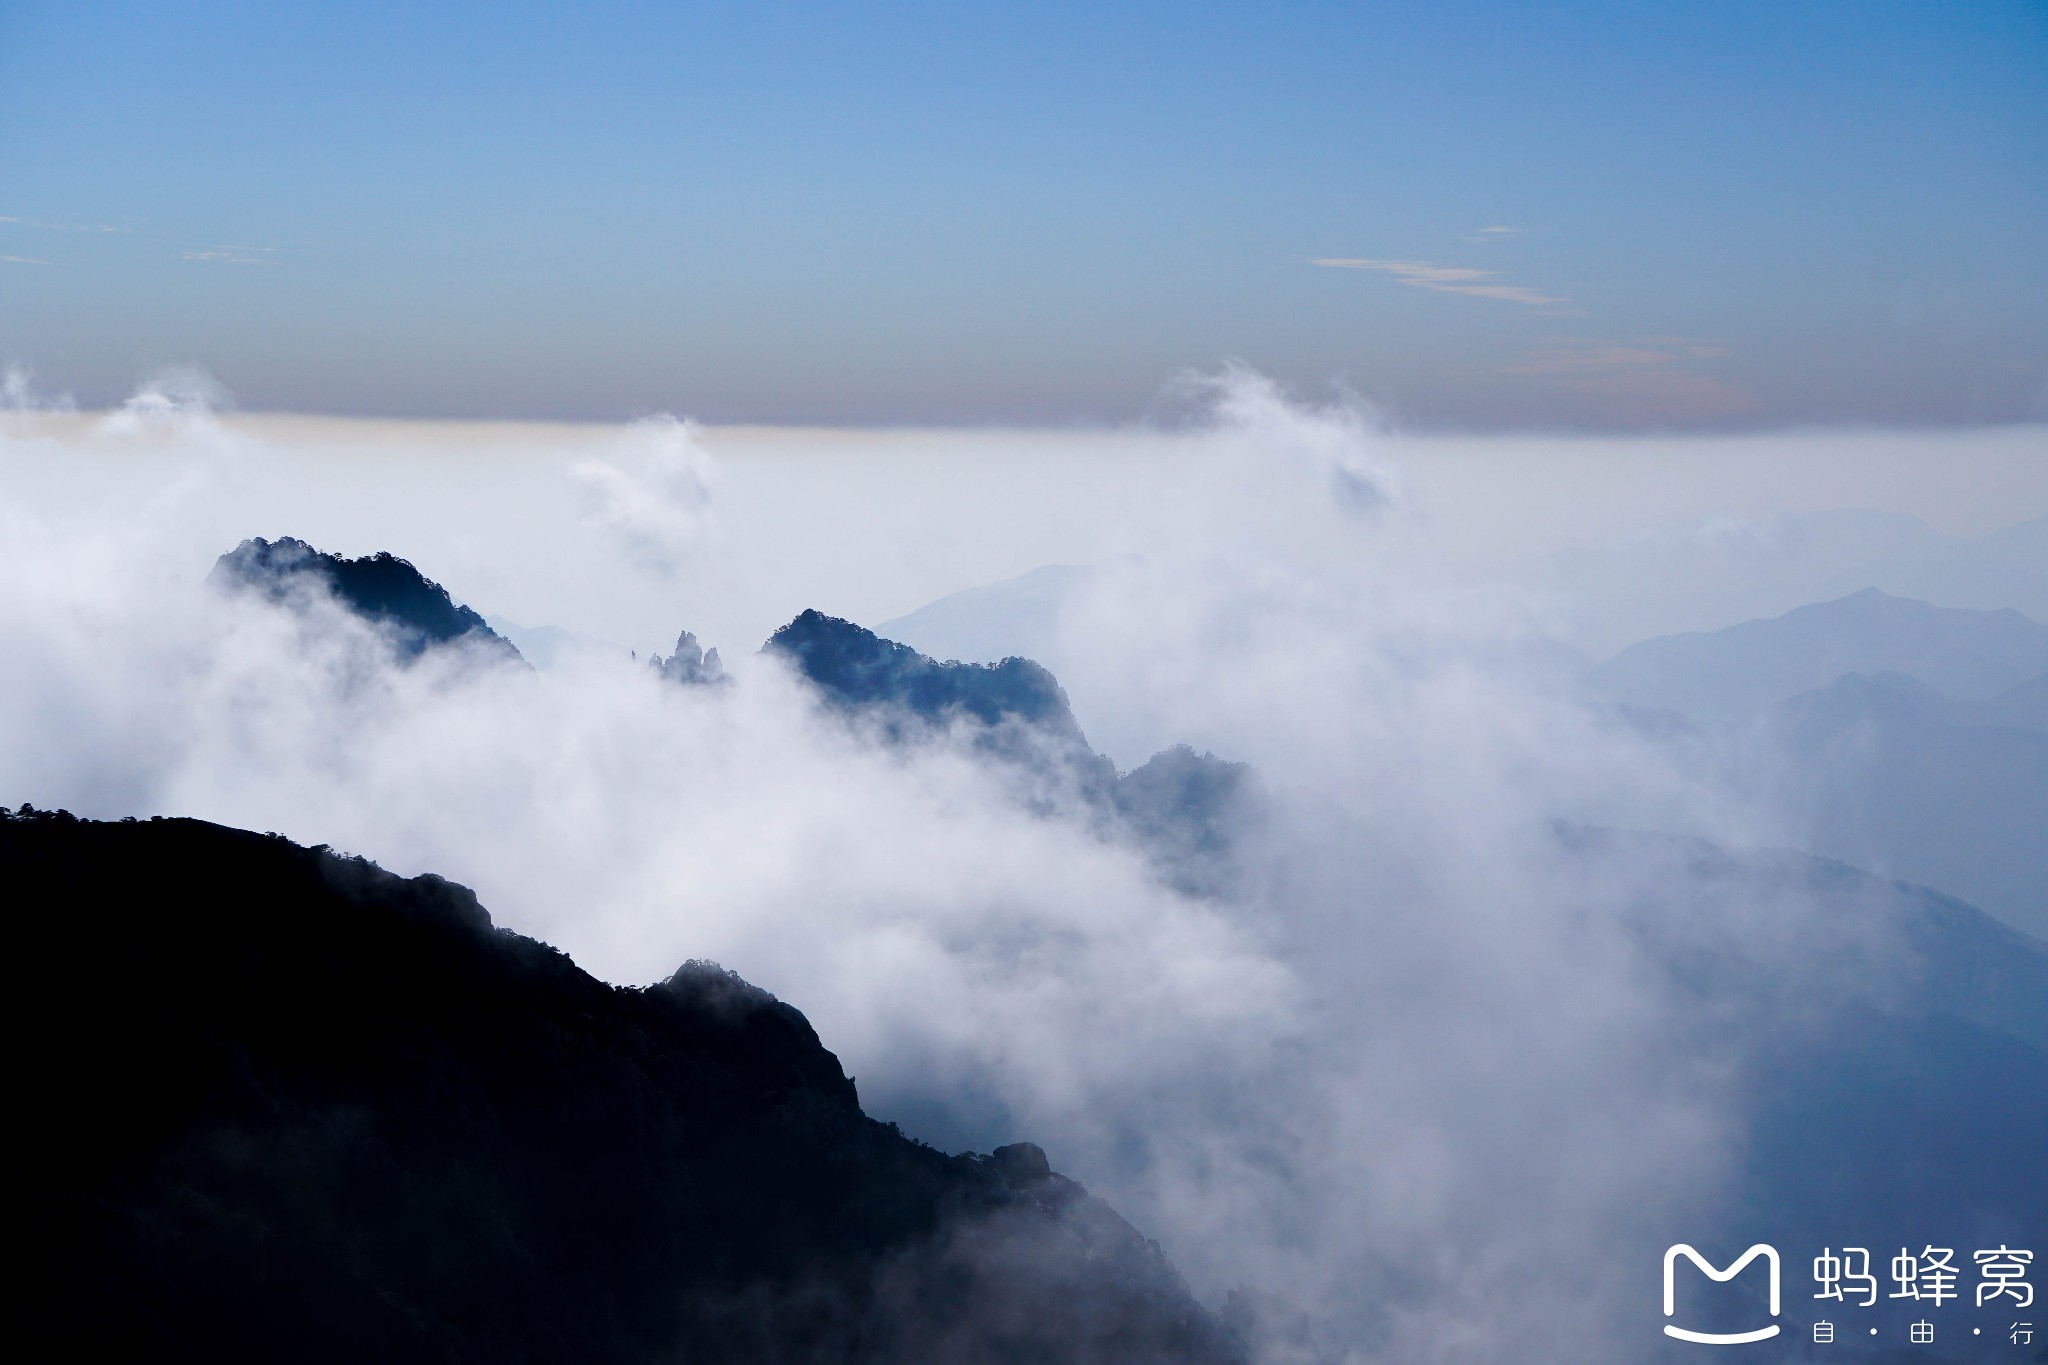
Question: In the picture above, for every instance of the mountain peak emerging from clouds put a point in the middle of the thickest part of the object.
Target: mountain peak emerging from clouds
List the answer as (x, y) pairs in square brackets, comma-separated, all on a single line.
[(691, 664), (856, 667), (1184, 809), (417, 612)]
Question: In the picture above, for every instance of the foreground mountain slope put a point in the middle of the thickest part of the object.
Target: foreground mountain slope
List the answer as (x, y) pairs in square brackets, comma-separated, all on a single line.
[(284, 1105)]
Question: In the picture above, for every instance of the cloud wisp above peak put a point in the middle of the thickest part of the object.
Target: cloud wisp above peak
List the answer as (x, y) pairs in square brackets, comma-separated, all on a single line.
[(1448, 279), (654, 491), (177, 402)]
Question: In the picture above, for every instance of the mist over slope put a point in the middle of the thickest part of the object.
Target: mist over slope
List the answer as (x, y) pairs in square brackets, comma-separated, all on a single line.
[(1906, 738), (1894, 776), (1187, 811), (312, 1110)]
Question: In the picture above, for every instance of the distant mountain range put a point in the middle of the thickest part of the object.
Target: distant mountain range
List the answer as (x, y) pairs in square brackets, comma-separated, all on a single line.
[(1707, 575), (1903, 737), (1735, 673), (1682, 576)]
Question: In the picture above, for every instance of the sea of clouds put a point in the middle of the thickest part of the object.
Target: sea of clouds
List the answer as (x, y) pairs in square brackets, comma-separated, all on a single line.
[(1413, 1075)]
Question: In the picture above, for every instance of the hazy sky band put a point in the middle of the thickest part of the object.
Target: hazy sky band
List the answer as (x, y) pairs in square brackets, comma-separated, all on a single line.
[(1478, 216)]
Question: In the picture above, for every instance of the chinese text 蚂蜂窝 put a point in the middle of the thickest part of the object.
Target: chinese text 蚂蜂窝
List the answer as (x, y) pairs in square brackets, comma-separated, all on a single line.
[(1930, 1276)]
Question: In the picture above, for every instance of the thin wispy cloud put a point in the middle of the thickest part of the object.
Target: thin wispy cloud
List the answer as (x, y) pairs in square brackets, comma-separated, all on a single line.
[(1495, 234), (234, 255), (58, 227), (1447, 279), (19, 394), (24, 260)]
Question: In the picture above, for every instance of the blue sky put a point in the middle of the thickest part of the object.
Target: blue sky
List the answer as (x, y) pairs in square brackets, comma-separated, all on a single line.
[(1573, 216)]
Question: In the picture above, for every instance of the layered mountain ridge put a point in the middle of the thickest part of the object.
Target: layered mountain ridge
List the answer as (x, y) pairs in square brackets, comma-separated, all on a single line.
[(1902, 737)]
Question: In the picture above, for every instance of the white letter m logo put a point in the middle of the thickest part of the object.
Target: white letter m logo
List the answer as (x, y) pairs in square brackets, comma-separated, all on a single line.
[(1770, 1254)]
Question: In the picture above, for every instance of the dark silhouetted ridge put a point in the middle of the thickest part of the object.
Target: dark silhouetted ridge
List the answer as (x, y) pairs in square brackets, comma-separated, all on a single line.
[(382, 588), (276, 1104)]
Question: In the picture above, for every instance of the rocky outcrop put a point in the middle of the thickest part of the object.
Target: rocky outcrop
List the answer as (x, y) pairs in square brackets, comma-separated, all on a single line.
[(691, 665)]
